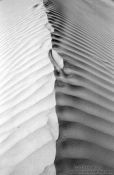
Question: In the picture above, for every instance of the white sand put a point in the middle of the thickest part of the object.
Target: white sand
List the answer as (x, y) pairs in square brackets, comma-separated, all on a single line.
[(28, 122)]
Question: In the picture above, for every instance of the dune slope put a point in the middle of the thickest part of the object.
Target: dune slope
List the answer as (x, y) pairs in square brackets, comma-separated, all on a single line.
[(28, 121), (84, 37)]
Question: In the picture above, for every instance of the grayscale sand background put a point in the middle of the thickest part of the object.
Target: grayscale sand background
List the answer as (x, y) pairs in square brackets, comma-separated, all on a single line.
[(56, 110)]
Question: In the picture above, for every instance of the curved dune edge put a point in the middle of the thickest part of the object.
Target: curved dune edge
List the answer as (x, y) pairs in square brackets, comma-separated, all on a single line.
[(28, 121), (84, 37)]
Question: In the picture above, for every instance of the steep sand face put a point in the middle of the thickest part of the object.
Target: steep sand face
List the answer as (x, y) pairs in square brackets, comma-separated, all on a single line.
[(84, 38), (28, 121)]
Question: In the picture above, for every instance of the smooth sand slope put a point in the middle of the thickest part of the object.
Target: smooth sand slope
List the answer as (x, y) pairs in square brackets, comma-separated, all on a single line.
[(84, 38), (28, 121)]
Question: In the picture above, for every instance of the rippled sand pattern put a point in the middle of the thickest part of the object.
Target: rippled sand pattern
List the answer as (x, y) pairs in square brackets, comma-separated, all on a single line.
[(84, 38), (28, 121)]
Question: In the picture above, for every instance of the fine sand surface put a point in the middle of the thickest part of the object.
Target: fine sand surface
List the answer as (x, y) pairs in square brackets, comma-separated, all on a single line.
[(84, 38), (28, 121)]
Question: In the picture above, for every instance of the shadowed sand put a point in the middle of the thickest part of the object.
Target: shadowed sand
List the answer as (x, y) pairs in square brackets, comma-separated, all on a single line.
[(84, 38)]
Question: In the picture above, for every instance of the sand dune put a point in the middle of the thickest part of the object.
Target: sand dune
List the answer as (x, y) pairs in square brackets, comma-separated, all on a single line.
[(81, 33)]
